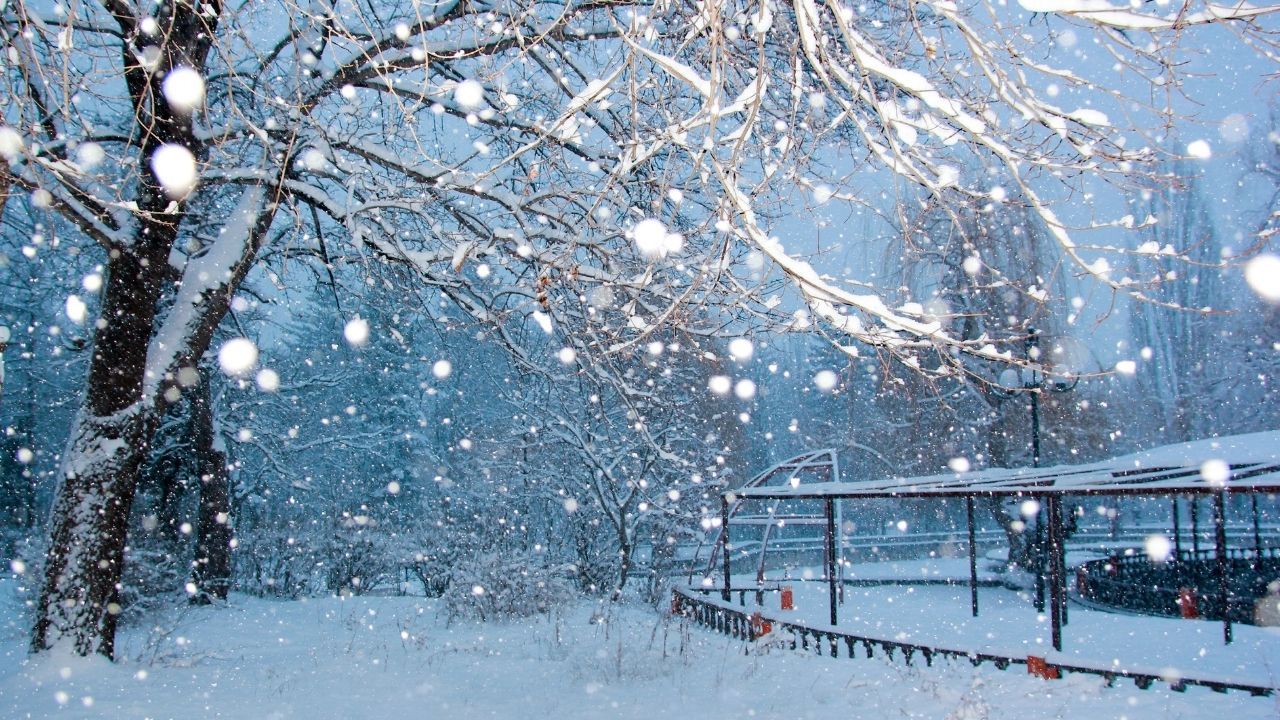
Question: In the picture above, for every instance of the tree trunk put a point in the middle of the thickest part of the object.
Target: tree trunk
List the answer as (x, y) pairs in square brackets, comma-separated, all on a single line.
[(624, 562), (211, 573), (108, 442), (1016, 532), (80, 601)]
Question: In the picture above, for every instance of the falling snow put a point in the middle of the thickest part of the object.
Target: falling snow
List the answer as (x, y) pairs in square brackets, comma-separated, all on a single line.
[(175, 168), (469, 94), (238, 356), (183, 89), (445, 345)]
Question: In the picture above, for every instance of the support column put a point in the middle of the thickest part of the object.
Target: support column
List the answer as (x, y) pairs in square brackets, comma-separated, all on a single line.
[(1257, 532), (973, 557), (1177, 531), (1064, 578), (1038, 556), (1055, 569), (831, 558), (1220, 540), (724, 543), (1195, 525)]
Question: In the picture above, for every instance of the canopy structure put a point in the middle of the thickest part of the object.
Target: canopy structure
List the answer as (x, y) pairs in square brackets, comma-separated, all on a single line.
[(1241, 464), (778, 524)]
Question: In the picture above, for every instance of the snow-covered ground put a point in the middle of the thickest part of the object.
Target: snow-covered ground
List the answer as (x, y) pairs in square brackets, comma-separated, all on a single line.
[(397, 657)]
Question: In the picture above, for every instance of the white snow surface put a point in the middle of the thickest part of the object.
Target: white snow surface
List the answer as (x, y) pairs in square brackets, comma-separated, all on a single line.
[(396, 657)]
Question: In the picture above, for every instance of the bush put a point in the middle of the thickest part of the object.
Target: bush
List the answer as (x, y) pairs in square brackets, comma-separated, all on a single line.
[(155, 571), (434, 569), (356, 561), (270, 563), (493, 586)]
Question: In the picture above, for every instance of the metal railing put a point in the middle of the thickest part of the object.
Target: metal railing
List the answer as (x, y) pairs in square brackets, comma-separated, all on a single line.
[(738, 622), (1187, 585)]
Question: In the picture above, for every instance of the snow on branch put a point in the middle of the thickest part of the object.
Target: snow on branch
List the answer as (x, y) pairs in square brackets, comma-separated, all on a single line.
[(206, 281), (1101, 12)]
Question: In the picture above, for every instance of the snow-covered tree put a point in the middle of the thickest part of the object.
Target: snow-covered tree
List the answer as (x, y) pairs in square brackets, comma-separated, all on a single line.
[(1181, 340), (623, 153)]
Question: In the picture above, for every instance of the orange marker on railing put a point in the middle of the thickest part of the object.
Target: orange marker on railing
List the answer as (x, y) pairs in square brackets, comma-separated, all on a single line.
[(1038, 667), (1187, 603), (788, 598), (759, 626)]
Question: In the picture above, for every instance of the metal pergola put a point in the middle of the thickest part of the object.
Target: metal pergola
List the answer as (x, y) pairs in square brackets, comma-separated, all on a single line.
[(1241, 464), (808, 468)]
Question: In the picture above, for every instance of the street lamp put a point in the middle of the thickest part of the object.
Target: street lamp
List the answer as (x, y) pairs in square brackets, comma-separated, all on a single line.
[(1031, 379)]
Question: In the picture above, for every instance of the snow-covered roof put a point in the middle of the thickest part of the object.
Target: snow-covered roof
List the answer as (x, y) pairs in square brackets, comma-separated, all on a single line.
[(1238, 463)]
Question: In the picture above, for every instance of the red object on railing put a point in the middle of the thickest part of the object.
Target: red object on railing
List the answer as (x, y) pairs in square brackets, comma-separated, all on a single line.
[(759, 626), (788, 598), (1038, 667), (1187, 603)]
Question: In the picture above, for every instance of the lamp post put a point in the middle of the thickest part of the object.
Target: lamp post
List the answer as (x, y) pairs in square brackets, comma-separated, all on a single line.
[(1031, 379)]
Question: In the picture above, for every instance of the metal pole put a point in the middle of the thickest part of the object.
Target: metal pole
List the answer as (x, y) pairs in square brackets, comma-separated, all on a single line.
[(831, 558), (1033, 341), (1055, 577), (1032, 348), (1195, 525), (724, 542), (1220, 537), (1257, 532), (1038, 554), (973, 557), (1177, 532), (1063, 578), (1035, 428)]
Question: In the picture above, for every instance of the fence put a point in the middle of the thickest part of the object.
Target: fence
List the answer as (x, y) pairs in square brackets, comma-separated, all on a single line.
[(1186, 585), (737, 622)]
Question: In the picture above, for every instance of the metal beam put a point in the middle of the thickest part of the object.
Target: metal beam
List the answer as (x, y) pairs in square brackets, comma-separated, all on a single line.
[(1038, 555), (831, 558), (1177, 531), (1195, 524), (973, 557), (1220, 539), (1063, 577), (1257, 532), (1055, 569), (724, 542)]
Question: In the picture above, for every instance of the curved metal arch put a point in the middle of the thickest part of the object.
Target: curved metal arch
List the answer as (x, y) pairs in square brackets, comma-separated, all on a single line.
[(816, 466)]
